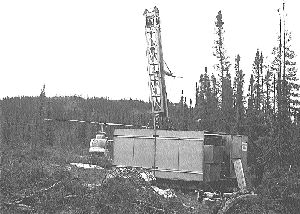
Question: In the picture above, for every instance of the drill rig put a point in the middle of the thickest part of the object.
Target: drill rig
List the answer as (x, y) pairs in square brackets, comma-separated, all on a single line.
[(158, 87)]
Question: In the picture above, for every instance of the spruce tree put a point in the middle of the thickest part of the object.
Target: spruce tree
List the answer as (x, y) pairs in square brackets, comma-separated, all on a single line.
[(291, 84), (238, 95), (268, 91), (257, 75), (287, 85), (222, 68)]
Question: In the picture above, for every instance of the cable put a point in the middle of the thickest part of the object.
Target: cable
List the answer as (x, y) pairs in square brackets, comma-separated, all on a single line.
[(171, 73), (93, 122)]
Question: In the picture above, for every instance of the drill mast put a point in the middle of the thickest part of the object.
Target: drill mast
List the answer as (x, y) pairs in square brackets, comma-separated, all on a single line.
[(155, 63)]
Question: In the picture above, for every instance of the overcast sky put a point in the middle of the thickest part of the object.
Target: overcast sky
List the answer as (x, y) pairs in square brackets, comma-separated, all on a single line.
[(97, 48)]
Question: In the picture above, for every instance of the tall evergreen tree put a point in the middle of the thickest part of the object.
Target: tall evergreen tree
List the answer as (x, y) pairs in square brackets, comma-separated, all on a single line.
[(291, 84), (257, 75), (276, 68), (222, 68), (287, 85), (202, 102), (238, 95), (268, 91)]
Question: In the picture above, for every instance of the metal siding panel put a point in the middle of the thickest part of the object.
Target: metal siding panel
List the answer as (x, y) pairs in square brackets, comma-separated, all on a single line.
[(143, 152), (167, 154), (191, 155), (123, 151)]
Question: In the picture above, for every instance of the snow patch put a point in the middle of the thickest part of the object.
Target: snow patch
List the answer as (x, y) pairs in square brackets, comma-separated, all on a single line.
[(168, 193)]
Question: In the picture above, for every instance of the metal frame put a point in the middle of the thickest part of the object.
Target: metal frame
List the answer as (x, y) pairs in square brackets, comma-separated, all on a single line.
[(155, 63)]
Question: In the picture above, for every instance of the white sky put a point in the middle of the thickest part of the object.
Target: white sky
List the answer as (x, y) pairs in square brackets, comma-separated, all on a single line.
[(97, 48)]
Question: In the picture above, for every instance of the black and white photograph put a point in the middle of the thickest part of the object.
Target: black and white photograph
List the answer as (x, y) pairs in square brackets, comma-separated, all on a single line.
[(149, 107)]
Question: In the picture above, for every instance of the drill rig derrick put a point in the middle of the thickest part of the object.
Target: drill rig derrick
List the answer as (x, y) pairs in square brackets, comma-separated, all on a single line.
[(155, 67)]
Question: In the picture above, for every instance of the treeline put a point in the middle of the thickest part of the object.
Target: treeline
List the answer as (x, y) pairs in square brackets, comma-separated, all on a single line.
[(24, 128), (267, 110)]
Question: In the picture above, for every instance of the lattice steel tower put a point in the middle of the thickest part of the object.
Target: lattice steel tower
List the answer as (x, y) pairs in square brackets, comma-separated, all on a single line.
[(155, 63)]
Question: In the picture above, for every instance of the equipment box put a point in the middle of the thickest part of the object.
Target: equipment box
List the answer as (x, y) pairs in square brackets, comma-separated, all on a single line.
[(213, 154)]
